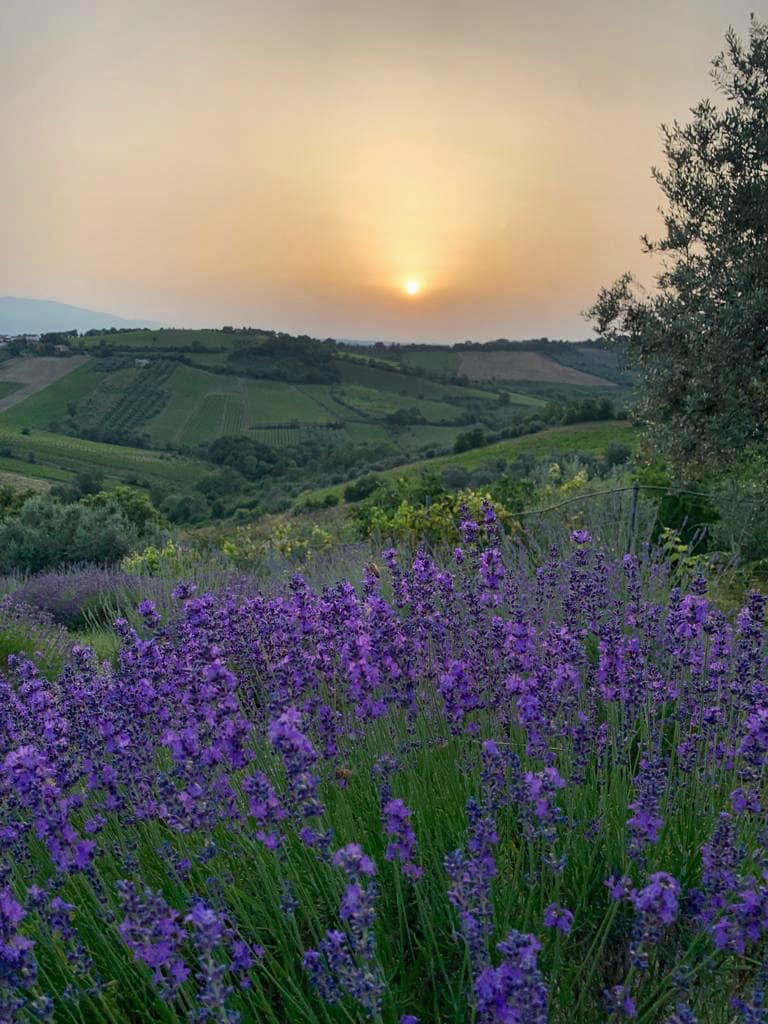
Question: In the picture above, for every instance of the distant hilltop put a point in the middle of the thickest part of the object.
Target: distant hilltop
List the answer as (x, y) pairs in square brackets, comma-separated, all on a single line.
[(39, 316)]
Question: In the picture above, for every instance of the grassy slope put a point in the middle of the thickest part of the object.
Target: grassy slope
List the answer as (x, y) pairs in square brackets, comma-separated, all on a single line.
[(593, 437), (602, 362), (56, 454), (160, 339), (438, 360), (404, 383), (51, 404)]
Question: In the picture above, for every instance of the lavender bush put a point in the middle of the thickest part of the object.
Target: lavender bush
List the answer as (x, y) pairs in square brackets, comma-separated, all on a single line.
[(492, 795), (79, 598), (29, 631)]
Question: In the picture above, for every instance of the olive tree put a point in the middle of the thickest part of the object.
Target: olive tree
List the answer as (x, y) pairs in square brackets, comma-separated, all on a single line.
[(699, 340)]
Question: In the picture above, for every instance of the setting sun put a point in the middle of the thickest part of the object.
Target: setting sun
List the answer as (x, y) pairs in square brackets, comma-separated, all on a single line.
[(413, 287)]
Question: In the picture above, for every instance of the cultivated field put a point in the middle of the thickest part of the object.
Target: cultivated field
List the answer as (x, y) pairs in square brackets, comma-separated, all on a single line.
[(505, 365), (34, 374), (57, 457)]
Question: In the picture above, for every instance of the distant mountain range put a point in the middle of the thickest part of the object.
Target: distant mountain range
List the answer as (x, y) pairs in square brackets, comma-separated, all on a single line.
[(38, 316)]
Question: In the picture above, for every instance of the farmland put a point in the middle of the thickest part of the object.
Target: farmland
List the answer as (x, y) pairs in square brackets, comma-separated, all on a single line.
[(144, 407), (58, 457), (20, 378), (523, 366)]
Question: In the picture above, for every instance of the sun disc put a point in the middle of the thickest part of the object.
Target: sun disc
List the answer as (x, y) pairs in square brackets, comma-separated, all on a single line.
[(413, 287)]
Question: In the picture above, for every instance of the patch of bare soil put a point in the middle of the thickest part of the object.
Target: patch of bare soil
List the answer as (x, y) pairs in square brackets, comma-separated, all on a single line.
[(35, 373), (524, 366)]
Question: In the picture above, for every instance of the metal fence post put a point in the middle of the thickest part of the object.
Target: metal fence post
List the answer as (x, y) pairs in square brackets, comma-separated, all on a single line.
[(633, 517)]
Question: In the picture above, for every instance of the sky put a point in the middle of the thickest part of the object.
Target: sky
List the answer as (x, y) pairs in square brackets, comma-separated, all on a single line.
[(294, 164)]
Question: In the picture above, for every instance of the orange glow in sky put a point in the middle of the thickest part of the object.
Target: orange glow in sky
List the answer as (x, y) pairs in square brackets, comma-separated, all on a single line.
[(308, 167)]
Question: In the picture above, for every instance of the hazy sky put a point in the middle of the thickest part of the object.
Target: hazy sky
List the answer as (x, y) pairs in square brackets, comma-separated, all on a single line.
[(292, 163)]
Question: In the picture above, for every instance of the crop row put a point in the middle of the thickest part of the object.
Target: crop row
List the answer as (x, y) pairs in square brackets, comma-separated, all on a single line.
[(143, 398)]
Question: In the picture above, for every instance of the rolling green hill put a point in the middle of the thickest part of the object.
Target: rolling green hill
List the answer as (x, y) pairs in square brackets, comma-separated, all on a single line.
[(149, 408), (580, 437)]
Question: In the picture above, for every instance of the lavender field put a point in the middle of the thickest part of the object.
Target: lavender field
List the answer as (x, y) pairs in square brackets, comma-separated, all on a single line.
[(487, 791)]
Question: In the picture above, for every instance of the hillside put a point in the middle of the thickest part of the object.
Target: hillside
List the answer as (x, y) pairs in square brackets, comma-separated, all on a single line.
[(554, 441), (248, 419)]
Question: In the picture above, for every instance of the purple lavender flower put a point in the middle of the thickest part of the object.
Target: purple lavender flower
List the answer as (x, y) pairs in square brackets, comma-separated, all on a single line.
[(658, 902), (619, 1000), (403, 845), (17, 961), (354, 862), (515, 990), (153, 931), (682, 1014), (753, 1010), (619, 888), (468, 528), (321, 977), (298, 756), (471, 875), (211, 935), (646, 822), (744, 919), (265, 807), (559, 918)]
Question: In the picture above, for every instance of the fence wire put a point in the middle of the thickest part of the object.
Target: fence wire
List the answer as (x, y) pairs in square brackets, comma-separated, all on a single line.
[(624, 518)]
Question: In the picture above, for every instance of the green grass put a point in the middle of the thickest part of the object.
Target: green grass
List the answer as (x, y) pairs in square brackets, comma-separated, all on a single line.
[(592, 437), (528, 401), (35, 470), (375, 404), (205, 359), (428, 436), (7, 387), (46, 406), (195, 409), (433, 360), (19, 482), (405, 384), (369, 356), (602, 362), (271, 401), (551, 391)]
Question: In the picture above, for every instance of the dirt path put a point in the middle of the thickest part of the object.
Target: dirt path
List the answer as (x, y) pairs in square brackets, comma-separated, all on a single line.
[(34, 374)]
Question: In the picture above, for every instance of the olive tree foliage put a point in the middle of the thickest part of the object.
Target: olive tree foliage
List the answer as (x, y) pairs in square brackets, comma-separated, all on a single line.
[(700, 339)]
